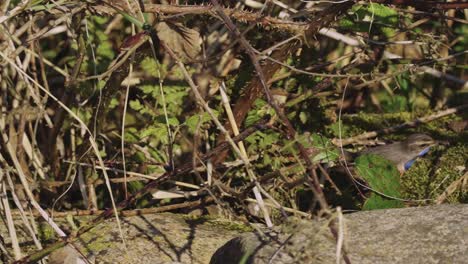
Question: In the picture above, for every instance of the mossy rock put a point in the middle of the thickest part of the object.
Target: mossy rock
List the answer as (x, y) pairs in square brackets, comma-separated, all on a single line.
[(428, 178)]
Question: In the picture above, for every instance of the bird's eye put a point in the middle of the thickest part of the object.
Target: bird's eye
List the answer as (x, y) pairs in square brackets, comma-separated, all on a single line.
[(421, 144), (428, 143)]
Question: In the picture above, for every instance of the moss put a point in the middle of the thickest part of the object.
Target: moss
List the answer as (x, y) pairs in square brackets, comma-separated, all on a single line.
[(198, 219), (225, 224), (429, 177), (231, 225), (363, 122), (94, 239), (46, 232), (97, 239)]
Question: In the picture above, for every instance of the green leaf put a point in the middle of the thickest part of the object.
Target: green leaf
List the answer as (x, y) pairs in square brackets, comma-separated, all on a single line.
[(395, 104), (148, 89), (382, 177), (158, 132), (327, 152), (257, 113), (101, 20), (113, 103), (376, 201), (268, 140), (192, 121), (131, 135), (373, 15), (390, 15), (105, 49), (346, 23), (150, 66), (340, 127), (266, 160), (135, 105), (173, 121), (303, 117), (403, 82)]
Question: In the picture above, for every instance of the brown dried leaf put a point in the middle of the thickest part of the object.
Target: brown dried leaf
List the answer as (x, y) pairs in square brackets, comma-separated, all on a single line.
[(185, 42)]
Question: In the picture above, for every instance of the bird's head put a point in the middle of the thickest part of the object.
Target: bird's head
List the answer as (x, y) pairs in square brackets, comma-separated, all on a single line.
[(418, 144)]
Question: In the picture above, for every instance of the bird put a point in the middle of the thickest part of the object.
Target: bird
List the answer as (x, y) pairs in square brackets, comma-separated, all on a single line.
[(404, 153)]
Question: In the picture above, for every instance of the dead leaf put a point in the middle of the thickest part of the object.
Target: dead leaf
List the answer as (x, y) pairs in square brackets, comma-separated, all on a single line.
[(185, 42)]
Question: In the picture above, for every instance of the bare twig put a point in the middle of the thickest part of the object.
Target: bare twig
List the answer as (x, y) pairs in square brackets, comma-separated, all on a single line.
[(461, 183)]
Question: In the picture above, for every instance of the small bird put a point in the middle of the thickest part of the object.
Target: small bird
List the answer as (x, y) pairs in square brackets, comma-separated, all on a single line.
[(404, 153)]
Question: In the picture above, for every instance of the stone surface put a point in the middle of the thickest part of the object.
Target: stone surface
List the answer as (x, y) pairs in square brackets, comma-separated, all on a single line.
[(150, 238), (433, 234), (159, 238), (67, 255)]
